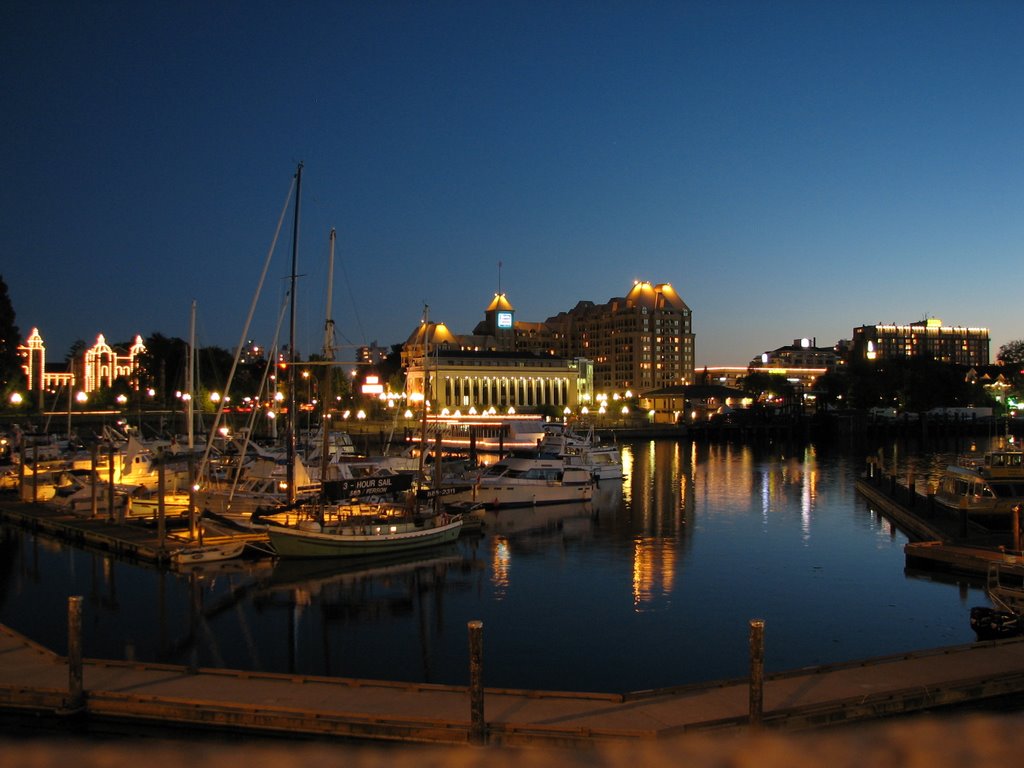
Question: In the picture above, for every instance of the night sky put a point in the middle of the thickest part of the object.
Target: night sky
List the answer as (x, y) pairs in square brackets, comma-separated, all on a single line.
[(794, 169)]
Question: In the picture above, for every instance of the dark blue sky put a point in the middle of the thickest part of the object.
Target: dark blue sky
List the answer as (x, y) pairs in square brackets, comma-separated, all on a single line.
[(792, 168)]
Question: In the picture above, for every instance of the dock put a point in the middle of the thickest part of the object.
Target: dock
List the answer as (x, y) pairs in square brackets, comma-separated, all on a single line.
[(34, 680), (940, 540), (130, 539)]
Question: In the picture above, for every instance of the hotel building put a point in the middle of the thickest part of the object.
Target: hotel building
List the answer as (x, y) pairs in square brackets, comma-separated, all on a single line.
[(927, 338)]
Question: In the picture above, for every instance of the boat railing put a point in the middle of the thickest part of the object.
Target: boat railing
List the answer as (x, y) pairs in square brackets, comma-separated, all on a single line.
[(1005, 586)]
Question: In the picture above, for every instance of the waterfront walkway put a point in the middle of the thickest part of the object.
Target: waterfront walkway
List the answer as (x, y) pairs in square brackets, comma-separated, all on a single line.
[(33, 679)]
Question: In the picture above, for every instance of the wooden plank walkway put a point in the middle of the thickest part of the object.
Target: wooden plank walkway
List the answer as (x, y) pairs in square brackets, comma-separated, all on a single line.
[(34, 679)]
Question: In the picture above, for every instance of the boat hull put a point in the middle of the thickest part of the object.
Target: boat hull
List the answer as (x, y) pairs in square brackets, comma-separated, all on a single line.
[(509, 496), (208, 553), (360, 541)]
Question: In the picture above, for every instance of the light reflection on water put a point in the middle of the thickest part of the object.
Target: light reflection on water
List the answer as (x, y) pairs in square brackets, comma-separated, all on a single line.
[(651, 585)]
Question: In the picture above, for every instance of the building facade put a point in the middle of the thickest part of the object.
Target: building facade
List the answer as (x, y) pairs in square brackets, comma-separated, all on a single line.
[(641, 341), (99, 366), (928, 338), (802, 353), (638, 342), (457, 380)]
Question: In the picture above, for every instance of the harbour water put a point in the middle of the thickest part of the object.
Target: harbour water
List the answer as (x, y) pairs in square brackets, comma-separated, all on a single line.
[(651, 585)]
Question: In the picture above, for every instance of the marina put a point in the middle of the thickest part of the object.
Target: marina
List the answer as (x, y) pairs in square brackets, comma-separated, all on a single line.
[(643, 559)]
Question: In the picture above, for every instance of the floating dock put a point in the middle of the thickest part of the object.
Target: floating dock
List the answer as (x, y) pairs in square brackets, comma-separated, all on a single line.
[(938, 539), (132, 539)]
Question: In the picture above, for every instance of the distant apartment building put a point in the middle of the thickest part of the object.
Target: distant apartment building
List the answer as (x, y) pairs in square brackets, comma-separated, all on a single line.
[(927, 338)]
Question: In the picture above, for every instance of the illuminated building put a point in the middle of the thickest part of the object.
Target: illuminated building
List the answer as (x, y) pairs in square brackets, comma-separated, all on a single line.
[(99, 366), (690, 402), (926, 339), (460, 379), (37, 378), (731, 375), (104, 365), (642, 341), (802, 353)]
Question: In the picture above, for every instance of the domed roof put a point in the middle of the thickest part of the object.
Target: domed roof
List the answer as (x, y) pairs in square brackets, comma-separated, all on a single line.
[(500, 302), (643, 294), (436, 333)]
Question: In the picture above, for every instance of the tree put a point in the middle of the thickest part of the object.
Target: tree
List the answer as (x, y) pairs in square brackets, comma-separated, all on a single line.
[(1011, 353), (10, 338)]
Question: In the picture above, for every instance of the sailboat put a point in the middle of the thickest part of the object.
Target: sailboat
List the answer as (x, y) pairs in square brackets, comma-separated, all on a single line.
[(354, 529)]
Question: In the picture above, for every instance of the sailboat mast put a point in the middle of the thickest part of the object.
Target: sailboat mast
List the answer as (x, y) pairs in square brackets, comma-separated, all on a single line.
[(291, 343), (426, 353), (191, 366), (328, 379)]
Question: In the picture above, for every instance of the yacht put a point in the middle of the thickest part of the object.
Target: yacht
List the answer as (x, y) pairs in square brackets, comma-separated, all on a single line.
[(583, 449), (989, 484), (525, 481)]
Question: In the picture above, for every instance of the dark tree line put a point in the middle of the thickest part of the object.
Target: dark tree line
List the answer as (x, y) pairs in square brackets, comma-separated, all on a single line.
[(10, 339)]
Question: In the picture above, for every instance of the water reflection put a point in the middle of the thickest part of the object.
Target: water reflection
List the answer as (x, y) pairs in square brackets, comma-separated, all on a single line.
[(670, 563)]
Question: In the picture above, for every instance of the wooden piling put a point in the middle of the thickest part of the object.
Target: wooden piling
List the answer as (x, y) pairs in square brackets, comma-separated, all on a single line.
[(1016, 528), (756, 672), (35, 472), (94, 452), (110, 482), (76, 695), (477, 726), (161, 508)]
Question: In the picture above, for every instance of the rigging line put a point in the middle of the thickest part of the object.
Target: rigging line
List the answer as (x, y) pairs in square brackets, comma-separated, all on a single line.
[(352, 303), (245, 329), (259, 390)]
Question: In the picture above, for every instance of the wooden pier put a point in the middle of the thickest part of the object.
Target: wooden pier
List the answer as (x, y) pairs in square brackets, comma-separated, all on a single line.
[(938, 539), (36, 681)]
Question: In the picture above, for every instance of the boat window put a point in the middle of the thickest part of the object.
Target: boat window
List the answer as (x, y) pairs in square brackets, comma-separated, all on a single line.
[(1007, 490)]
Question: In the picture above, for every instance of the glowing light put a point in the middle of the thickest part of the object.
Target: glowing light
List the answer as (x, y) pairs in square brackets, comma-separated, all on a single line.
[(16, 398), (81, 397), (361, 414), (215, 397)]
